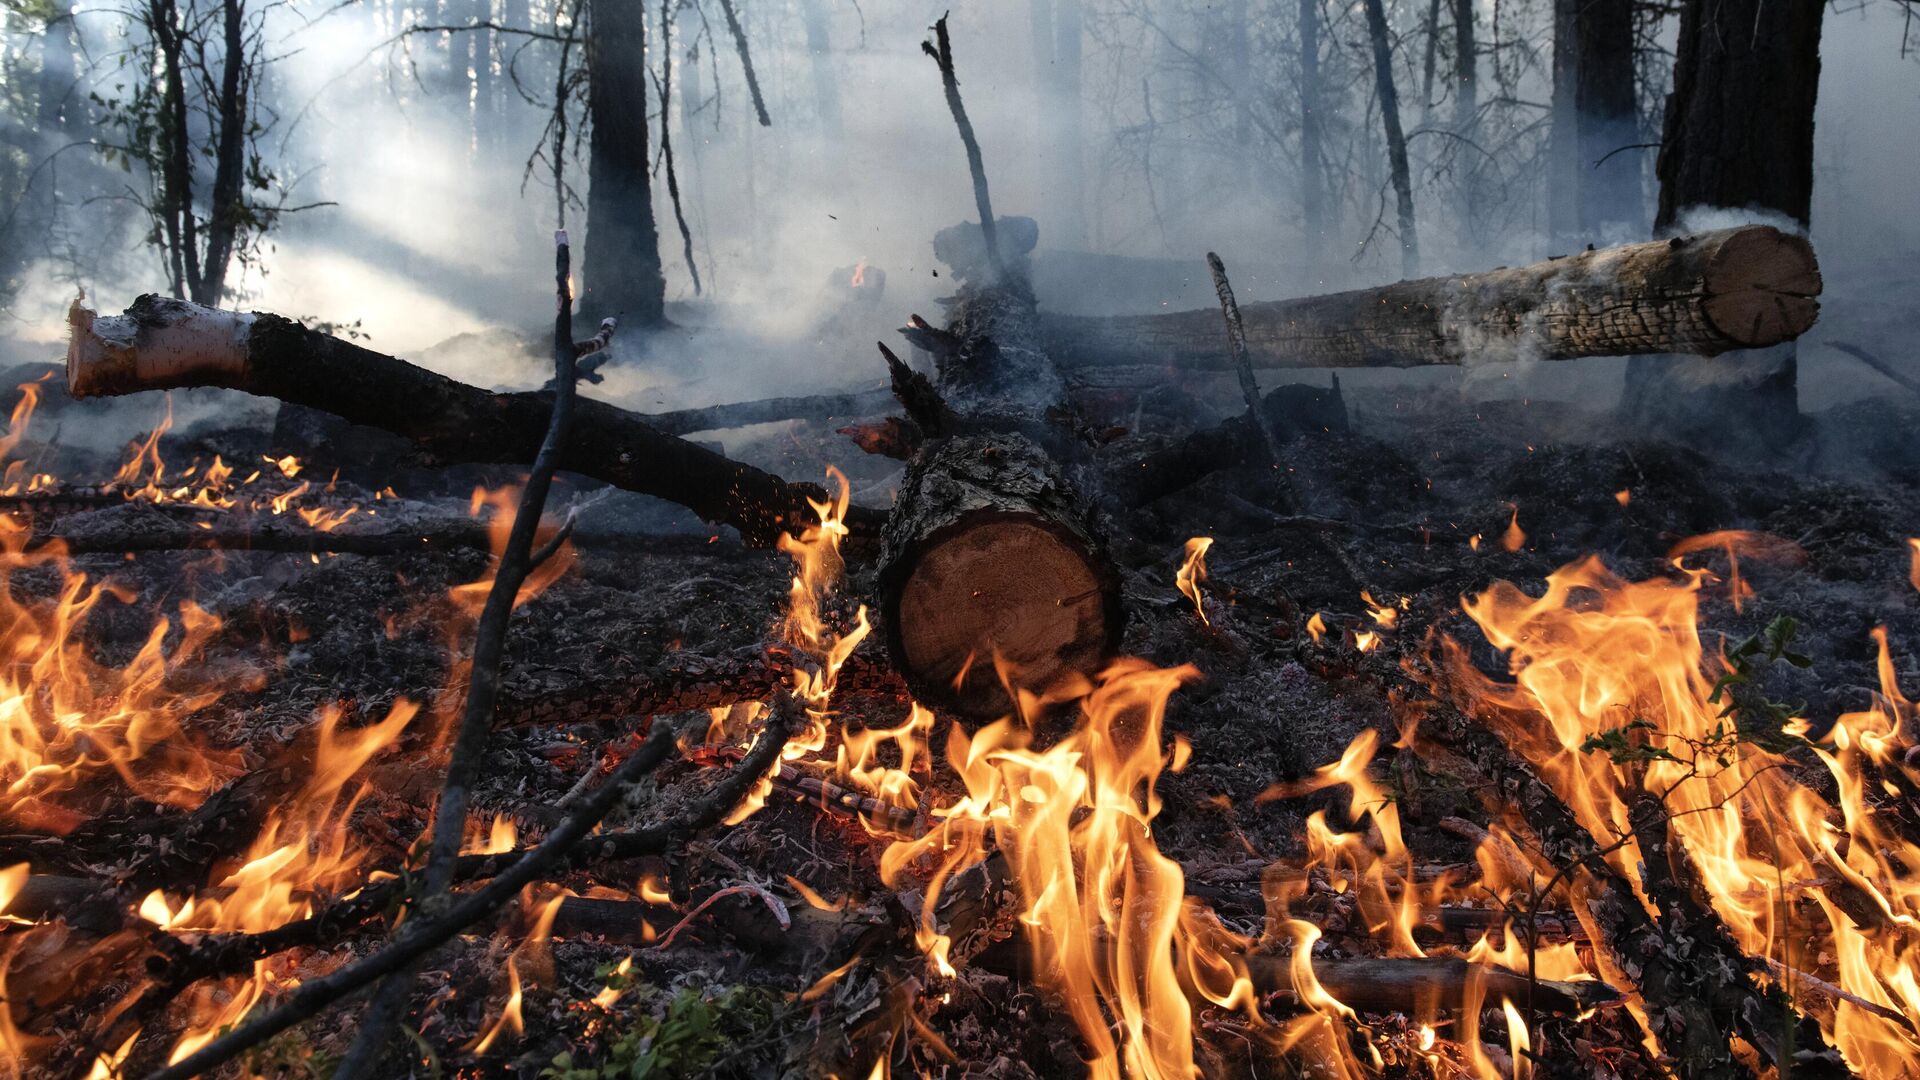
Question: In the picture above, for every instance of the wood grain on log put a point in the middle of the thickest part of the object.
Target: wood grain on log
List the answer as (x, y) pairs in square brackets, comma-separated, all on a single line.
[(1707, 294), (990, 552)]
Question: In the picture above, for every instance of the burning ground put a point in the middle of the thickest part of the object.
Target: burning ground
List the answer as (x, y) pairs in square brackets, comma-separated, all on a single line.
[(1485, 681)]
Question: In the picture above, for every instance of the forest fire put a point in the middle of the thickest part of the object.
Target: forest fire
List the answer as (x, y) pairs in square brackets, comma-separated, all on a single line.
[(1092, 680)]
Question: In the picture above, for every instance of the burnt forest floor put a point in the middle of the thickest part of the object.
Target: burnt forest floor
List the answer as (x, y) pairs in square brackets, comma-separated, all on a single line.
[(656, 609)]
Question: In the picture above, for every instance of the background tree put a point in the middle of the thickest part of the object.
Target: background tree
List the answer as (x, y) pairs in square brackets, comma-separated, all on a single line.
[(1738, 137)]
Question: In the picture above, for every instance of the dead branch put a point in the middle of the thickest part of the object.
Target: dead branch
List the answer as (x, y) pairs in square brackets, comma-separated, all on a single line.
[(1411, 984), (1877, 364), (941, 49), (771, 410), (1698, 998), (517, 561), (510, 871), (1237, 348), (162, 343)]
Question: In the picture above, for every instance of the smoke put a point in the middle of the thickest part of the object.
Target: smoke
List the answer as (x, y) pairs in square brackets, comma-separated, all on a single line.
[(437, 239)]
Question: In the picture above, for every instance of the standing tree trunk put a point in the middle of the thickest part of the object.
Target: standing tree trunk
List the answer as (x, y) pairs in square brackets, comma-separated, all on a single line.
[(1563, 142), (1466, 116), (1313, 192), (1610, 201), (1739, 136), (1069, 142), (1396, 138), (826, 88), (622, 266), (230, 158)]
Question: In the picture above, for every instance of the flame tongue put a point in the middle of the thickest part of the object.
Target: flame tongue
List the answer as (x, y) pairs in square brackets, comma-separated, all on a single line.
[(1633, 707)]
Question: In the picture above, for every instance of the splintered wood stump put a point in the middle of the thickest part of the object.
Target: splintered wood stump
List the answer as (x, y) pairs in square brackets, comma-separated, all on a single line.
[(990, 552), (1708, 294)]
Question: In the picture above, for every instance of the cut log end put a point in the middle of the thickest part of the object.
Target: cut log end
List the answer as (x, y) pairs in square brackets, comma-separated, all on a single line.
[(1000, 591), (992, 569), (1762, 287)]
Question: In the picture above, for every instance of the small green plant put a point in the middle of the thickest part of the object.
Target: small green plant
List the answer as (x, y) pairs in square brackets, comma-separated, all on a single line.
[(685, 1041), (289, 1056), (1740, 696)]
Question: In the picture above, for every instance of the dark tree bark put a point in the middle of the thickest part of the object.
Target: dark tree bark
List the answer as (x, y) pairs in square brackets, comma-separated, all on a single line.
[(1610, 201), (1396, 137), (622, 267), (1563, 142), (826, 88), (1313, 192), (1594, 192), (1466, 112), (1739, 136), (160, 344)]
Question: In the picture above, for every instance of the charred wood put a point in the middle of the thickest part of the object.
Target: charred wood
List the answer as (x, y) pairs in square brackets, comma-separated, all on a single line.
[(160, 344), (770, 410)]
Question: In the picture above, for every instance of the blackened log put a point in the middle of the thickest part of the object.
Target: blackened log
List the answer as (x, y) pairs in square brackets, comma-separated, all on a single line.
[(769, 410), (162, 344), (1731, 289), (1426, 984), (990, 552), (1291, 411)]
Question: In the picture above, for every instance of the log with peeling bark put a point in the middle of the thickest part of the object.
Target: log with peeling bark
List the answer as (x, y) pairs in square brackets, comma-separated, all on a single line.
[(163, 344), (1706, 294)]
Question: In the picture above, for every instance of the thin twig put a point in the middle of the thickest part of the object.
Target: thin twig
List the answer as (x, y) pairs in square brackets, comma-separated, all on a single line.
[(665, 87), (943, 55), (1877, 364)]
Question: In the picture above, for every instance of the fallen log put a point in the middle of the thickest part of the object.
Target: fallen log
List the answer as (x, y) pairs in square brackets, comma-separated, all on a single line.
[(1707, 294), (769, 410), (991, 559), (1427, 984), (163, 344)]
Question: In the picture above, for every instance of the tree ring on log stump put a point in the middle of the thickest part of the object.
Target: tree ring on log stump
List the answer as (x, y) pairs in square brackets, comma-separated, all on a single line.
[(988, 553), (1762, 287)]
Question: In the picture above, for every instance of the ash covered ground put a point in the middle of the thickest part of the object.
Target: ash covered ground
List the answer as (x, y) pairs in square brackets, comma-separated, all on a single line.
[(657, 608)]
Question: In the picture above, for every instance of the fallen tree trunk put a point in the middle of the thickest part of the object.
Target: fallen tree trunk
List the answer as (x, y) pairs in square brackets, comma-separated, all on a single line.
[(769, 410), (162, 344), (991, 559), (1740, 288)]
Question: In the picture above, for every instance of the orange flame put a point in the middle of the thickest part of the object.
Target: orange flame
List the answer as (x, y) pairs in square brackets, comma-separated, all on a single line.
[(1193, 572), (1601, 658)]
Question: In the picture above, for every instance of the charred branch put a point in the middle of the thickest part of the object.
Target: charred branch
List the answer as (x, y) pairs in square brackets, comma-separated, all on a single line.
[(771, 410), (160, 344)]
